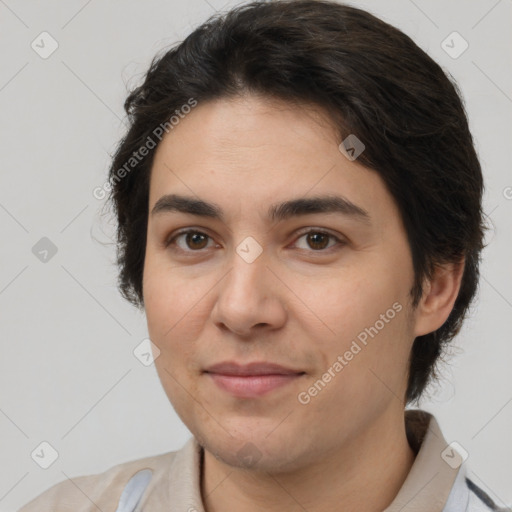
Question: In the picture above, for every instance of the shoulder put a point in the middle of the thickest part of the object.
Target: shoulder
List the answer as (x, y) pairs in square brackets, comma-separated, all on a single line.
[(97, 491)]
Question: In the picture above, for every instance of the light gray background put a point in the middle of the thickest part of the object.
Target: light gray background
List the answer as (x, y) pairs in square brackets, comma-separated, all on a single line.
[(68, 375)]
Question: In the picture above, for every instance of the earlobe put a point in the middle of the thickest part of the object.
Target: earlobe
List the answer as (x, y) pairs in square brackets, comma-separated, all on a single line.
[(439, 295)]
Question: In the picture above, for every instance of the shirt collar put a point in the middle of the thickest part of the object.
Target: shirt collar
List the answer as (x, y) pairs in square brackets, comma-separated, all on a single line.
[(426, 488), (434, 471)]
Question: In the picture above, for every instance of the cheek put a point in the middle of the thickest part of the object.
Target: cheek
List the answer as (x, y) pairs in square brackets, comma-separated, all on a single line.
[(341, 307), (361, 315), (168, 318), (166, 314), (167, 297)]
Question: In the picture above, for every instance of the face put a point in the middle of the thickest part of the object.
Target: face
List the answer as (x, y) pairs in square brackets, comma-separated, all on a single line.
[(322, 293)]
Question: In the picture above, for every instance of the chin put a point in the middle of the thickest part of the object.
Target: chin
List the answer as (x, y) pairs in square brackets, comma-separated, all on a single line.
[(256, 450)]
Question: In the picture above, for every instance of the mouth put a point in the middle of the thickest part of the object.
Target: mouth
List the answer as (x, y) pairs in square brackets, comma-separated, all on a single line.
[(251, 380)]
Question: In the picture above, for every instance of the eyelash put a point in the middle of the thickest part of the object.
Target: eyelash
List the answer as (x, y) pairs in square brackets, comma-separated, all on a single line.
[(171, 240)]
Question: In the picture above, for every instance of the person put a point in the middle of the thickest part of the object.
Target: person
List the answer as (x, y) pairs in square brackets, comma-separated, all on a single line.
[(323, 164)]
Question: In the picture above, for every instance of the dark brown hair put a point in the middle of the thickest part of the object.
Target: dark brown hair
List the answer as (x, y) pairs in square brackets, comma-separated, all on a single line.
[(374, 82)]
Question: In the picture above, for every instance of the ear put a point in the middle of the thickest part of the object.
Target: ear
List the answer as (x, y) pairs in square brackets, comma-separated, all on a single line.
[(439, 295)]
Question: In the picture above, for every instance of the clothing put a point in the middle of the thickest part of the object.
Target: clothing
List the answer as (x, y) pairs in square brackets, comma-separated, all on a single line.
[(170, 482)]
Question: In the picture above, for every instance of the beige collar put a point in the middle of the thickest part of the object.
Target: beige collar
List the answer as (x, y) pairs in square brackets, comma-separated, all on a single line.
[(426, 488), (431, 478)]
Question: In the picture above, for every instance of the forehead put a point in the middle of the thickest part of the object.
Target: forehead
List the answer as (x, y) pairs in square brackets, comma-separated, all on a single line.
[(252, 152)]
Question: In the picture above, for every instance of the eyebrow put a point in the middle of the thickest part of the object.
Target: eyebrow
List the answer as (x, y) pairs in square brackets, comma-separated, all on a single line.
[(276, 212)]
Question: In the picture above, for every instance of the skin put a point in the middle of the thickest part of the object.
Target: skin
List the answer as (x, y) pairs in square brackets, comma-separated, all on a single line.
[(298, 304)]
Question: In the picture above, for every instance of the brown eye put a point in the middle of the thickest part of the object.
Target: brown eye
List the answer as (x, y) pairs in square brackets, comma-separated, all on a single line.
[(196, 240), (191, 241), (318, 241)]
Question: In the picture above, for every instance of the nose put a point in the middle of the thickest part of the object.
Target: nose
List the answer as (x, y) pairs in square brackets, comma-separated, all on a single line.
[(250, 298)]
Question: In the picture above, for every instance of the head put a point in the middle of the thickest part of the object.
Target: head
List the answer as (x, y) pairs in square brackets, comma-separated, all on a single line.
[(249, 112)]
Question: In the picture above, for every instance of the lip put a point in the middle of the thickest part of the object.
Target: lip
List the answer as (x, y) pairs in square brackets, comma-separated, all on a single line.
[(253, 379), (252, 369), (250, 386)]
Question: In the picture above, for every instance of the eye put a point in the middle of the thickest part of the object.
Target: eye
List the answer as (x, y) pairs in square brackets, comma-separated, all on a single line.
[(195, 241), (318, 240)]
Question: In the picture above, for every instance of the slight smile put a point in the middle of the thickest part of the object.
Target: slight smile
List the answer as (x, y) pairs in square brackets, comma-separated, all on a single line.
[(253, 379)]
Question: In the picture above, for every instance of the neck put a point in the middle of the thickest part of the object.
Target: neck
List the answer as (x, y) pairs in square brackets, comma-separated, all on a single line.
[(363, 474)]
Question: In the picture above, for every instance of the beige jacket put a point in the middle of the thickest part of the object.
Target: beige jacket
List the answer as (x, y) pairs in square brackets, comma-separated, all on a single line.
[(170, 482)]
